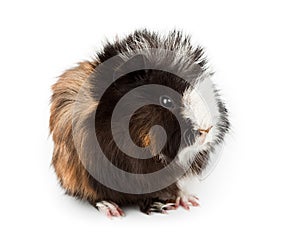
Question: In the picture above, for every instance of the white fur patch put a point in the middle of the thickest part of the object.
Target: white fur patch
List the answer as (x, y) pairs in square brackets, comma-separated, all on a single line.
[(200, 107), (200, 104), (187, 154), (188, 184)]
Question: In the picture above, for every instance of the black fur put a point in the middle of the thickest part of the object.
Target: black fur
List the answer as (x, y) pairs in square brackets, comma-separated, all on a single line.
[(147, 116)]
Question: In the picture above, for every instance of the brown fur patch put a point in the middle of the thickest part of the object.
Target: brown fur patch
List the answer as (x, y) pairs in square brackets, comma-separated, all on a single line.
[(70, 171), (146, 140)]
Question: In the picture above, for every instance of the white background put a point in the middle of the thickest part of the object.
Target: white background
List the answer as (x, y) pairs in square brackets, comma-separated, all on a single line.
[(253, 46)]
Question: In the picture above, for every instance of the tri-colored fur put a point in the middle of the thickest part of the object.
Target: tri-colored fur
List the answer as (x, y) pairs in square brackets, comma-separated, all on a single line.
[(72, 174)]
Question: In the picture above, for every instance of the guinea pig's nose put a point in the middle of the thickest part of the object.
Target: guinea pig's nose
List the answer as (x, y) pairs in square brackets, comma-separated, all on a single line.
[(203, 134), (204, 131)]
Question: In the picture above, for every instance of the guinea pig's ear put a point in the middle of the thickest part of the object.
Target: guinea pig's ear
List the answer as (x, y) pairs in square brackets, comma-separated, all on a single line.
[(137, 62)]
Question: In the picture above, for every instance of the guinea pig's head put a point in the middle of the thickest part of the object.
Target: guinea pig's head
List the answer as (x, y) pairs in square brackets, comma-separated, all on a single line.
[(172, 117)]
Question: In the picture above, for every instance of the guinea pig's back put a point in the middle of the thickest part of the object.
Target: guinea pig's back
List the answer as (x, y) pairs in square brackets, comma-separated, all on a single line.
[(72, 175)]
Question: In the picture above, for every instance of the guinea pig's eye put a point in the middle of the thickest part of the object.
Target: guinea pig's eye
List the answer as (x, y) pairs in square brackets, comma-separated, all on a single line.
[(166, 101)]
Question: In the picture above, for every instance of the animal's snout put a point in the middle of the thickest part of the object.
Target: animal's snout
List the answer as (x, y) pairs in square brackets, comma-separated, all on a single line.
[(204, 131), (190, 135), (203, 134)]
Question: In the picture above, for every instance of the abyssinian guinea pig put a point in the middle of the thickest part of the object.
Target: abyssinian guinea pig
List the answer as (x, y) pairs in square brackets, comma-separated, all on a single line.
[(135, 121)]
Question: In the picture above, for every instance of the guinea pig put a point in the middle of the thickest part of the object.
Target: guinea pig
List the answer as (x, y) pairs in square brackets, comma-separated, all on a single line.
[(131, 124)]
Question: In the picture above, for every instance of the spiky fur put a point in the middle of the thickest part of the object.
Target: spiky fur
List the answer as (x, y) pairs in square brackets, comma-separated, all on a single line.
[(71, 173)]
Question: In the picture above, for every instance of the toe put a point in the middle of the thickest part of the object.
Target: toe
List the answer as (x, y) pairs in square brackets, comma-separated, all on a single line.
[(193, 201), (110, 209), (184, 204)]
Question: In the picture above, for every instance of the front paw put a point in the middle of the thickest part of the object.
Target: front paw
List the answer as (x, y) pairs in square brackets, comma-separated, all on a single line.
[(186, 200)]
